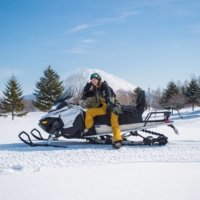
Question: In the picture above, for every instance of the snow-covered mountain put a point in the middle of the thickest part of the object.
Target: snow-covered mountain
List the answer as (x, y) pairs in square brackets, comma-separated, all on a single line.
[(29, 97), (115, 82)]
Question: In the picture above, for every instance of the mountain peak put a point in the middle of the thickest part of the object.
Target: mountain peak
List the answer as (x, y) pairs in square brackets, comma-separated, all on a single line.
[(113, 81)]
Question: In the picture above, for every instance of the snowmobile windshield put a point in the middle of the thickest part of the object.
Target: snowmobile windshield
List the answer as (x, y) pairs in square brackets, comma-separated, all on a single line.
[(66, 95), (62, 101)]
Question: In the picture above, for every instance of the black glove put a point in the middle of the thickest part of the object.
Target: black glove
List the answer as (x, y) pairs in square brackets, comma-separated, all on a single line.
[(87, 88)]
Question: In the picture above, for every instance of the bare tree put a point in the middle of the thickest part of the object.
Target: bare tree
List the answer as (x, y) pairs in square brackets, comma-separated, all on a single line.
[(77, 83), (29, 107), (155, 99), (125, 98), (178, 101)]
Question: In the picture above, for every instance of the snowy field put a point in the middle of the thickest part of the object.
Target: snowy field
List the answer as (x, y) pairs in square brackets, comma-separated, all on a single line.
[(87, 171)]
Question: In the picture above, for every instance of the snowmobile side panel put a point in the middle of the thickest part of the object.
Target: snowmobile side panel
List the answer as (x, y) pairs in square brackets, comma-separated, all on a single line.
[(69, 116), (75, 130), (106, 130)]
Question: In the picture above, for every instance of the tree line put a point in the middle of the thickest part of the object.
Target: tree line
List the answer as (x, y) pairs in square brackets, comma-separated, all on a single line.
[(49, 88), (177, 96)]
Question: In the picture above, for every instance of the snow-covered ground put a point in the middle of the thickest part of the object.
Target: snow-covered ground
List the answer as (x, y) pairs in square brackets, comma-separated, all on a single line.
[(87, 171)]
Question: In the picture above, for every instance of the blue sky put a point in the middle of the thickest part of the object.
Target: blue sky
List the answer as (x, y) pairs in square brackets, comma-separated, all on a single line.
[(146, 42)]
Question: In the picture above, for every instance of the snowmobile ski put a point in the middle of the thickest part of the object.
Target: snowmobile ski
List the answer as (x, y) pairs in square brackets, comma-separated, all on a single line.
[(29, 142)]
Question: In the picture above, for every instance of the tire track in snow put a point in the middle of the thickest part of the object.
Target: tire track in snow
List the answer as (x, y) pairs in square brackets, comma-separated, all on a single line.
[(28, 159)]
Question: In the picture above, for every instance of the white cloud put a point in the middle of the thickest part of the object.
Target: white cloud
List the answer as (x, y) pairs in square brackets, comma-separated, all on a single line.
[(89, 41), (80, 27), (75, 51), (123, 15), (106, 20), (127, 14)]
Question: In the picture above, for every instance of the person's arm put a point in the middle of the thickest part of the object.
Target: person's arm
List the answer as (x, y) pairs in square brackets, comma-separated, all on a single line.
[(87, 92)]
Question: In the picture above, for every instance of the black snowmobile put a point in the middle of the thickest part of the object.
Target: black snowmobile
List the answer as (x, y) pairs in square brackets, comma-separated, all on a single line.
[(67, 119)]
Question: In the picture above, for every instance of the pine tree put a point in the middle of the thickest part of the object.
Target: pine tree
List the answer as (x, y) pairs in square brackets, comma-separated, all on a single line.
[(12, 102), (193, 93), (171, 90), (49, 88)]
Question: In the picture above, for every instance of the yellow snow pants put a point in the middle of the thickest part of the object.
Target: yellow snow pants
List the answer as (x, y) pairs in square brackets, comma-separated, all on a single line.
[(92, 112)]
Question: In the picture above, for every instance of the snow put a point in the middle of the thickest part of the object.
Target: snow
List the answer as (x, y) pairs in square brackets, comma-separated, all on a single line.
[(87, 171)]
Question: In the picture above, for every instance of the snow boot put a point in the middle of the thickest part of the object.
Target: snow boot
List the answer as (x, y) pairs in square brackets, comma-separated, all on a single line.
[(91, 131), (117, 144)]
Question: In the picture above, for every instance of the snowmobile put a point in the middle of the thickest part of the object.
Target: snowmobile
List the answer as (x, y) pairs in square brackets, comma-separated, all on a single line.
[(66, 119)]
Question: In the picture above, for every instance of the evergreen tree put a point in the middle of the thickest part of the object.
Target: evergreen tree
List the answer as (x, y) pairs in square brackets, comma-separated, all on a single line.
[(171, 90), (12, 102), (198, 80), (193, 93), (49, 88)]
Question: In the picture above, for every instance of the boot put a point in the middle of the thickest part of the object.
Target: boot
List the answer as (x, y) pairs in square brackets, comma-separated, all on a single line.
[(91, 131), (117, 144)]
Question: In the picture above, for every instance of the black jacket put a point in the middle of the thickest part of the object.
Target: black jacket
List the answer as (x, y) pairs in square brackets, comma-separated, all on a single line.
[(107, 94)]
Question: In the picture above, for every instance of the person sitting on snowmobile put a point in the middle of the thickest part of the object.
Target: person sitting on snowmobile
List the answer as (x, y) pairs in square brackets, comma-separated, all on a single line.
[(108, 105)]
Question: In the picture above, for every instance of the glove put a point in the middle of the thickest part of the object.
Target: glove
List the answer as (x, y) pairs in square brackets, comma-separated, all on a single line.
[(87, 87)]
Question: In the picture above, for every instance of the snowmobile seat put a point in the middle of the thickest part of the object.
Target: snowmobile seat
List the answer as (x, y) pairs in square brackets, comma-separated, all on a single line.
[(140, 102), (131, 109), (130, 115), (133, 114)]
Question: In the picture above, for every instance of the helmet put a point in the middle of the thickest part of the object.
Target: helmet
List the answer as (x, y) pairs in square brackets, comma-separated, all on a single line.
[(95, 75)]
